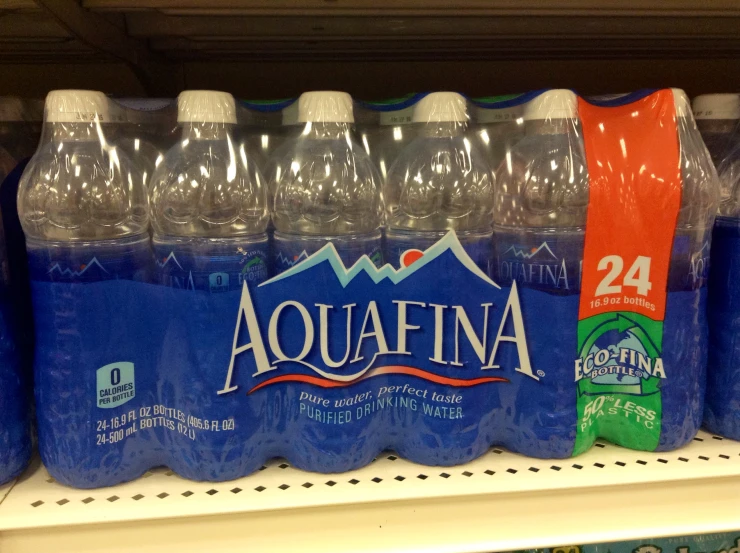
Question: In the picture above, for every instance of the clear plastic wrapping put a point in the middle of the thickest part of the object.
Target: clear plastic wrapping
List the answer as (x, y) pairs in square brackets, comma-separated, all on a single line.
[(718, 120), (536, 292)]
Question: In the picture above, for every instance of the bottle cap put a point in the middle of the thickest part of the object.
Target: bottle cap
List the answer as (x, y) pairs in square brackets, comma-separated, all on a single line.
[(553, 104), (325, 107), (76, 106), (441, 106), (206, 106), (681, 101), (717, 106)]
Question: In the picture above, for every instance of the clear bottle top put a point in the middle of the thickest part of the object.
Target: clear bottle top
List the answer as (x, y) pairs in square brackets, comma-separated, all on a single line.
[(543, 182), (324, 183), (441, 180), (718, 120), (207, 186), (700, 194), (78, 186)]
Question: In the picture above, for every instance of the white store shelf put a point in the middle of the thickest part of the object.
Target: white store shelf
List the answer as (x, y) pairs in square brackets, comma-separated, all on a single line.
[(499, 502)]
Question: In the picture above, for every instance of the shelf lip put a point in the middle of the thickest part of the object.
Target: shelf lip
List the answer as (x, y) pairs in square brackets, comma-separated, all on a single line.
[(498, 477)]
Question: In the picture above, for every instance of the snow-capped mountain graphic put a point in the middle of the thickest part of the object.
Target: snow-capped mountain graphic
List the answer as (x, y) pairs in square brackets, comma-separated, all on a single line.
[(70, 273), (365, 265), (519, 252), (280, 258), (171, 257)]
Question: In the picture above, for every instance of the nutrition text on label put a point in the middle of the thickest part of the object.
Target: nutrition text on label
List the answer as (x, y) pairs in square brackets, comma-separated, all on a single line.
[(112, 430)]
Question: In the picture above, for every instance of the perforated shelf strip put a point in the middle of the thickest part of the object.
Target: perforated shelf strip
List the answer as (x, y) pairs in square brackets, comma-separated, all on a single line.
[(500, 501)]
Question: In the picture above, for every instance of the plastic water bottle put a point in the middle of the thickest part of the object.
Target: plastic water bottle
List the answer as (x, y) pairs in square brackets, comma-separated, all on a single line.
[(440, 182), (82, 202), (541, 199), (718, 120), (326, 187), (209, 203), (700, 193)]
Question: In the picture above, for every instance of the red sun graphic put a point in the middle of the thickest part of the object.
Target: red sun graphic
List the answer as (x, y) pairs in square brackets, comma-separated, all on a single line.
[(409, 256)]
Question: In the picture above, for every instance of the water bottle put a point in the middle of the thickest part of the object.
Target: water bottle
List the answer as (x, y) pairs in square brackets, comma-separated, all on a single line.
[(541, 198), (700, 193), (82, 201), (440, 182), (718, 120), (208, 202), (326, 188)]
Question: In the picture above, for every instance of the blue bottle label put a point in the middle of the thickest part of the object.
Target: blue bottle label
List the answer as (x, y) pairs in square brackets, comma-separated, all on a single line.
[(403, 248), (538, 260), (212, 266), (289, 250), (90, 261)]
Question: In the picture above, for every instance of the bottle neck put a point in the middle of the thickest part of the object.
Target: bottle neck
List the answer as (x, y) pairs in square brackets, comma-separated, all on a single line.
[(443, 129), (206, 131), (717, 126), (327, 131), (78, 132), (550, 126)]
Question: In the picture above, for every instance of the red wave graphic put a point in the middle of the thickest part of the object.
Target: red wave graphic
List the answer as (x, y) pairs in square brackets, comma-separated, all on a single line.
[(389, 369)]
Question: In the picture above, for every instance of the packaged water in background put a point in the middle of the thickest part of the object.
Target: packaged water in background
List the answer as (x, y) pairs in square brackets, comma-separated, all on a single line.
[(386, 128), (325, 187), (20, 130), (718, 120), (440, 181), (16, 327), (726, 542), (209, 202), (499, 125)]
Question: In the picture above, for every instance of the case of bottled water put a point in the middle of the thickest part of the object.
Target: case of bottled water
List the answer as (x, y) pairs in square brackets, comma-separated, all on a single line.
[(718, 119), (18, 135), (535, 292)]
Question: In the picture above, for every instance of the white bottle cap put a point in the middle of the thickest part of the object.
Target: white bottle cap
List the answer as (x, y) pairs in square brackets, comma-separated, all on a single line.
[(325, 107), (440, 107), (553, 104), (717, 106), (76, 106), (681, 101), (206, 106)]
